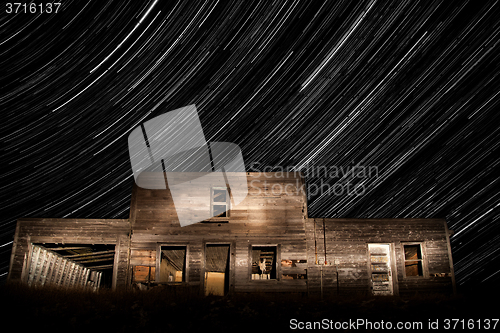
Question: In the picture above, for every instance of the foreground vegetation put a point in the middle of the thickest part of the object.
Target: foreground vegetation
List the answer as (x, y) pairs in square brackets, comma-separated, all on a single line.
[(162, 309)]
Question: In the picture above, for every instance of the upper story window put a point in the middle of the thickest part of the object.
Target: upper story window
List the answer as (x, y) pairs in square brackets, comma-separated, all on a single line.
[(220, 202)]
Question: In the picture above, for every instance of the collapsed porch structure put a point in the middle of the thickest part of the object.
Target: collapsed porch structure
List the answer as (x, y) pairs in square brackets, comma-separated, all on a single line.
[(265, 244), (46, 267)]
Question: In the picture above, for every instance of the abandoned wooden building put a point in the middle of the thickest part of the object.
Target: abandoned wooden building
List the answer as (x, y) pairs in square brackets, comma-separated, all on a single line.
[(266, 243)]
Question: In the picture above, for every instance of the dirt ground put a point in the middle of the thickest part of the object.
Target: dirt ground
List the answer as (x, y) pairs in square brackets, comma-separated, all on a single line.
[(161, 310)]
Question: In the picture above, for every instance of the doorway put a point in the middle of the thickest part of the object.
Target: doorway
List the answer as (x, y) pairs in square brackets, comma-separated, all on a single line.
[(216, 269), (380, 261)]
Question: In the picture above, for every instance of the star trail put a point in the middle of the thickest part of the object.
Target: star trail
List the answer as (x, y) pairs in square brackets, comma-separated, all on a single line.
[(409, 87)]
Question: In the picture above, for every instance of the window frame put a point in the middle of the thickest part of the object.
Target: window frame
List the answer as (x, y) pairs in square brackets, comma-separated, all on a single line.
[(185, 275), (214, 203), (423, 260), (277, 267)]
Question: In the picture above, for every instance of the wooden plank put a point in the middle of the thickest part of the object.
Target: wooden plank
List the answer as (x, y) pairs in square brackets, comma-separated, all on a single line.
[(46, 268), (53, 271), (60, 272), (34, 261), (78, 271), (450, 258), (99, 276), (73, 256), (71, 273), (99, 267), (27, 260), (81, 281), (67, 274), (76, 276), (42, 260), (50, 268)]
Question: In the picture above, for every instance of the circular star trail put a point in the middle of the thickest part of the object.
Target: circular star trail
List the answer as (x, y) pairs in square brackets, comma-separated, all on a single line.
[(408, 87)]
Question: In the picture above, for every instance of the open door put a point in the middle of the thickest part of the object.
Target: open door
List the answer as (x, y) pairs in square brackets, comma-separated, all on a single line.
[(216, 269), (380, 261)]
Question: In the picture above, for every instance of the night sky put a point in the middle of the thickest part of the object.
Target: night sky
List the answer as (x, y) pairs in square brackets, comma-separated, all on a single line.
[(410, 87)]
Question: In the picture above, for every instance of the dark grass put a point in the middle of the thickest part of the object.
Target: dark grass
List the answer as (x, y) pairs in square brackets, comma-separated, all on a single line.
[(164, 309)]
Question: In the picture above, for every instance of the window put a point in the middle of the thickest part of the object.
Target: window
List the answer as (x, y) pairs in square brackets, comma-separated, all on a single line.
[(172, 264), (414, 265), (220, 202), (264, 262)]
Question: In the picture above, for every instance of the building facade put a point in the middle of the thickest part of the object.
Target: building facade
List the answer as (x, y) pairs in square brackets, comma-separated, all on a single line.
[(266, 243)]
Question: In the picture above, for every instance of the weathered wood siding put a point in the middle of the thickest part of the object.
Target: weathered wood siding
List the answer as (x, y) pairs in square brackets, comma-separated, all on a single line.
[(317, 256), (273, 213), (72, 231), (346, 254)]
